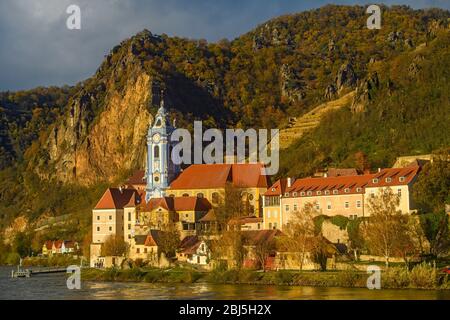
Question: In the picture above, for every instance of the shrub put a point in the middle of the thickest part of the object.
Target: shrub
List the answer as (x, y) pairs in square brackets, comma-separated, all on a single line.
[(423, 276), (395, 278), (347, 278), (284, 277), (153, 276)]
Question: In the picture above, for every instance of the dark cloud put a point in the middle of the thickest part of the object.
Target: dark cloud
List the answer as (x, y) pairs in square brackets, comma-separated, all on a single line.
[(37, 49)]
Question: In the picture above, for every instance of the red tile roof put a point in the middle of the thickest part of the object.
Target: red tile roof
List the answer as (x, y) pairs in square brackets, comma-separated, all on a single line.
[(138, 178), (392, 177), (115, 198), (70, 244), (256, 237), (152, 239), (348, 184), (188, 241), (178, 204), (208, 176), (49, 244), (353, 184), (135, 199), (58, 244), (277, 189)]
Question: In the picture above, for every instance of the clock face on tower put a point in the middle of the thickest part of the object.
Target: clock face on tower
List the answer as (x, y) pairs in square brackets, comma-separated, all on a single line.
[(156, 138)]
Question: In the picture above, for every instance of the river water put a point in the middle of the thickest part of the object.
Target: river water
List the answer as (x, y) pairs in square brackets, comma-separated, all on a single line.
[(53, 287)]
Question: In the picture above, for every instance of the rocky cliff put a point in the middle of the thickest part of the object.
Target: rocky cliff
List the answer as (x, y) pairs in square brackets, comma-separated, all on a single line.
[(279, 70)]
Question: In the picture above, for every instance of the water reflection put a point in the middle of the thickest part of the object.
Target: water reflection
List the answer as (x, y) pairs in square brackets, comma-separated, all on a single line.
[(54, 287)]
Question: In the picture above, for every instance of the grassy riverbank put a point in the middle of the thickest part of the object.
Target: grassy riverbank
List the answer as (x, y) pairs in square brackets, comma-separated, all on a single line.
[(421, 277)]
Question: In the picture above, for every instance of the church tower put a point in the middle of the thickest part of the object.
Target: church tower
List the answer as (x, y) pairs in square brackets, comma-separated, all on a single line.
[(160, 169)]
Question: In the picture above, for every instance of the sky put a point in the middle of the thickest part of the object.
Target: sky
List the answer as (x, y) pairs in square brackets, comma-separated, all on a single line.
[(37, 48)]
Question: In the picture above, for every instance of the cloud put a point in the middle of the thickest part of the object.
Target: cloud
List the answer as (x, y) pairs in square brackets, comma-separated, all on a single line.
[(37, 48)]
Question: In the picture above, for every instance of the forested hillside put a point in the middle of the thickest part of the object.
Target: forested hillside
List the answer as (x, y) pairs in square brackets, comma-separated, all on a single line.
[(61, 146)]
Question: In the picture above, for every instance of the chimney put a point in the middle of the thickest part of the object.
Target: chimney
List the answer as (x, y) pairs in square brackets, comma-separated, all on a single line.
[(121, 189), (289, 182), (379, 169)]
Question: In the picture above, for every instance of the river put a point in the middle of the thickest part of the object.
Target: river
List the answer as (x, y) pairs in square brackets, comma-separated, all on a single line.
[(53, 287)]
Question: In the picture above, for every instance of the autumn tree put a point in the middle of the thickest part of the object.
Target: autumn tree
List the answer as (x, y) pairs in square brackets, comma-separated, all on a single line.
[(299, 233), (386, 232), (320, 250), (86, 245), (230, 247), (361, 161), (262, 251), (169, 240), (232, 205), (114, 246)]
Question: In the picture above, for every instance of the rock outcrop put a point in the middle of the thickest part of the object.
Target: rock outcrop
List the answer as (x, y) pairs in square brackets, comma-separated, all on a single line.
[(364, 93), (346, 77), (292, 86)]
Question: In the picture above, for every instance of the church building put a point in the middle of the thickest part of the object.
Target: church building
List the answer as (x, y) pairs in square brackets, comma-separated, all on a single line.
[(164, 193)]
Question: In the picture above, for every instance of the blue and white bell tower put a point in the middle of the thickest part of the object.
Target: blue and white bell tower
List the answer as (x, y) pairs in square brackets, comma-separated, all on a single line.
[(161, 171)]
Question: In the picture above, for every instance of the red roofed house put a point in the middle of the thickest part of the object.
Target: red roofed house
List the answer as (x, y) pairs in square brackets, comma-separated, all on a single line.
[(194, 251), (184, 212), (137, 181), (114, 211), (59, 247), (210, 180), (339, 195)]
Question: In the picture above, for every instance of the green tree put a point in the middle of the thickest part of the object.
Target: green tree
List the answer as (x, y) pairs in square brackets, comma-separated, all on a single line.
[(432, 189), (22, 244)]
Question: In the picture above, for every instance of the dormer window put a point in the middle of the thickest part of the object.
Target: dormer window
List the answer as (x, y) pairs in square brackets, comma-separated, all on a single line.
[(402, 179), (375, 180), (335, 192), (347, 190), (302, 193), (294, 194), (319, 193), (388, 180), (327, 192), (358, 189), (309, 193), (273, 189), (286, 194)]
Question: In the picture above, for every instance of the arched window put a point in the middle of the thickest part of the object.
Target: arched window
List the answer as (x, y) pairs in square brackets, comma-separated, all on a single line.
[(200, 195), (158, 123), (156, 152), (185, 195)]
